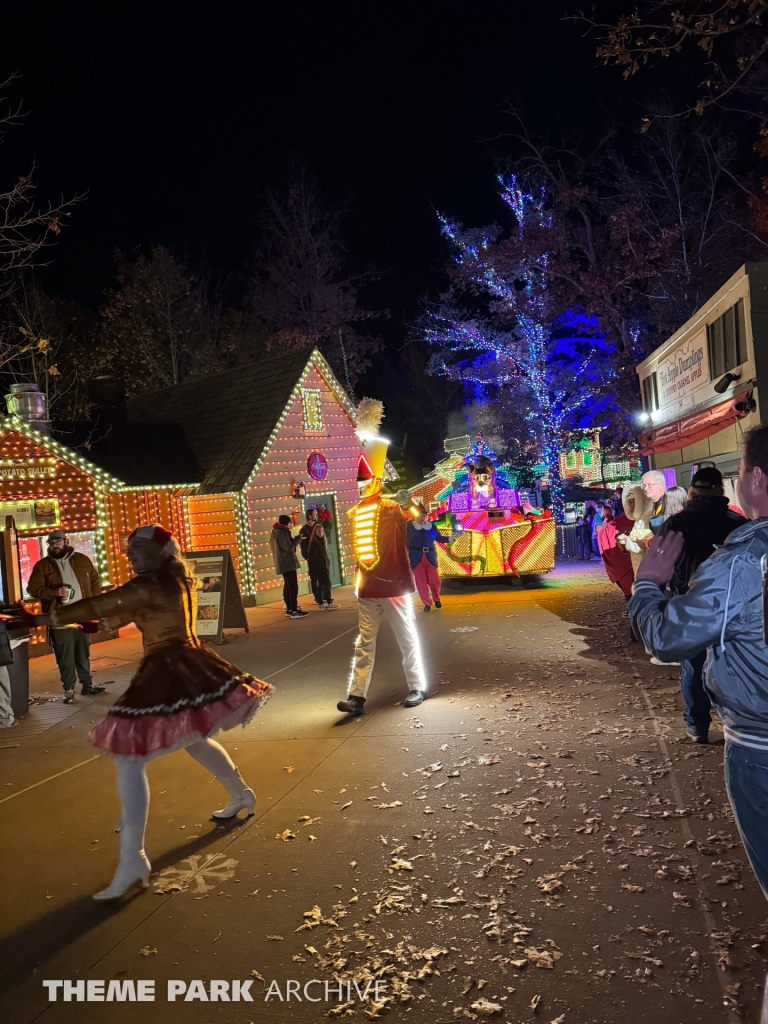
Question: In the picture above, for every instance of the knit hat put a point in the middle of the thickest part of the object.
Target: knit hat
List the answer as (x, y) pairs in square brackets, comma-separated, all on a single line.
[(154, 532), (284, 520), (707, 479)]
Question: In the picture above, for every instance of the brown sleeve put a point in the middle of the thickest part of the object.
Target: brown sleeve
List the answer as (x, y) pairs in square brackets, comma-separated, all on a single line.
[(120, 604), (36, 586)]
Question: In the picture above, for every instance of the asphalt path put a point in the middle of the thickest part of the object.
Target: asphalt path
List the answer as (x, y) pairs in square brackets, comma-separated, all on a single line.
[(535, 842)]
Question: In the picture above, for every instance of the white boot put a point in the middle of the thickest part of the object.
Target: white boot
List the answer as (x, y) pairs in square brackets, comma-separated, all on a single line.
[(132, 876), (243, 797), (133, 868)]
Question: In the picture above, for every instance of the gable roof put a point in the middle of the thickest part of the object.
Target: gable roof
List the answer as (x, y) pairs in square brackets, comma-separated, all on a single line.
[(229, 419), (138, 454)]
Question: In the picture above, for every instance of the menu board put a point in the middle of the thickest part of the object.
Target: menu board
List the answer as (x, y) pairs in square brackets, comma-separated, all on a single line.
[(209, 571), (219, 605), (34, 514)]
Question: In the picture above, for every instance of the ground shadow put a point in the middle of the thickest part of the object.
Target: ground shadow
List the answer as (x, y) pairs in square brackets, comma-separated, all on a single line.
[(28, 947)]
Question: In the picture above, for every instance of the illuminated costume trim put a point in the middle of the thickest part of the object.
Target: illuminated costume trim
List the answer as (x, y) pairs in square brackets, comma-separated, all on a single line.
[(384, 581)]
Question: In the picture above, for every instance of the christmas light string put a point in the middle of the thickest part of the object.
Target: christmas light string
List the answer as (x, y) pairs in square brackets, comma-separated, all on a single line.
[(528, 354)]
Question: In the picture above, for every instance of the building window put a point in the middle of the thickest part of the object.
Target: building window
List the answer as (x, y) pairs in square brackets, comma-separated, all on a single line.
[(587, 456), (313, 413), (570, 460), (725, 341), (651, 392)]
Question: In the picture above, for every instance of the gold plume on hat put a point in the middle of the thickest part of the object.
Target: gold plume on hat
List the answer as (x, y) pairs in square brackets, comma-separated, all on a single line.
[(369, 414)]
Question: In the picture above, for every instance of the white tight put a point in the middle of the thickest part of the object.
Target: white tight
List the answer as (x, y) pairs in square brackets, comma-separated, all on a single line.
[(133, 789)]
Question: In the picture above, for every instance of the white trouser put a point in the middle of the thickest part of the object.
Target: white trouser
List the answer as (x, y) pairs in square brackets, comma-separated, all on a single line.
[(399, 612)]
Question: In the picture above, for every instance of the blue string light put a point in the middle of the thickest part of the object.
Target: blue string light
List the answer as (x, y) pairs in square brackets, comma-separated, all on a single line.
[(555, 363)]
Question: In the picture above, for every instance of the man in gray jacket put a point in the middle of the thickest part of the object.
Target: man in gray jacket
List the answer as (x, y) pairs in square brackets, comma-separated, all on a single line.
[(287, 563), (722, 612)]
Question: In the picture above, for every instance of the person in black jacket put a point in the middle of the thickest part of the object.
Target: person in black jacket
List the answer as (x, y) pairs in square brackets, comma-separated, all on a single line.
[(704, 523)]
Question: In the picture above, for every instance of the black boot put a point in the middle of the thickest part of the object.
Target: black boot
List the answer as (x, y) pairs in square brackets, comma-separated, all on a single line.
[(352, 705)]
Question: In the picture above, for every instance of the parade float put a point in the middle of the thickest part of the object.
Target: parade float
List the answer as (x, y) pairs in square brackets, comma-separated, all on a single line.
[(488, 528)]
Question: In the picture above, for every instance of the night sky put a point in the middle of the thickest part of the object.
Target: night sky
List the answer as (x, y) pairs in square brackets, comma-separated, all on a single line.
[(173, 115)]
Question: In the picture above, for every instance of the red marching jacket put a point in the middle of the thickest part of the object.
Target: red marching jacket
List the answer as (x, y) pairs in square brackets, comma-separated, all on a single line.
[(381, 548)]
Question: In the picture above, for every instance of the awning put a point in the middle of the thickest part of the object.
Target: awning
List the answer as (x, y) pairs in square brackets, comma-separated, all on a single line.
[(696, 426)]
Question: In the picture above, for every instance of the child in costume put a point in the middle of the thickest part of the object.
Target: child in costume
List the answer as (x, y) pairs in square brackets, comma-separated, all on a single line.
[(182, 694), (384, 582)]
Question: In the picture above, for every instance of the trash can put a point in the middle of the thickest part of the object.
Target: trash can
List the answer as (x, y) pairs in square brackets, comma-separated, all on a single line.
[(18, 672)]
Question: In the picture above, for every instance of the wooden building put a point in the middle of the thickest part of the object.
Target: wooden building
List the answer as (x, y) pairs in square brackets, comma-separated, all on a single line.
[(216, 459), (701, 388), (269, 439)]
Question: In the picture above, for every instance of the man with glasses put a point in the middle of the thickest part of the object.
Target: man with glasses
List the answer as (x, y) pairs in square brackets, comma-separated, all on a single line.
[(654, 484), (63, 577)]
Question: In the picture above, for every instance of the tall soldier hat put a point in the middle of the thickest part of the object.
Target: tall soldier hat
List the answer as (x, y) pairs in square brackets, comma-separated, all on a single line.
[(370, 464)]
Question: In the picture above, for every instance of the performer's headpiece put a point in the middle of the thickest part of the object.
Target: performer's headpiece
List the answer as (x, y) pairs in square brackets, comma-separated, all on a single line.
[(370, 464), (155, 533)]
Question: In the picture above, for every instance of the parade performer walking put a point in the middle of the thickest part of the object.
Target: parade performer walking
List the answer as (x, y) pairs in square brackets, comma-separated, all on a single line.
[(384, 582), (182, 693), (421, 550)]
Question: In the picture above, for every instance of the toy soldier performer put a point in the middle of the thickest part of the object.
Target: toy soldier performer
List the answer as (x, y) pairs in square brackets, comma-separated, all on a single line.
[(384, 581)]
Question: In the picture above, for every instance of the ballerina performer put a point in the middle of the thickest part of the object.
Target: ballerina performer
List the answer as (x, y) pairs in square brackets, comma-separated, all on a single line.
[(182, 694)]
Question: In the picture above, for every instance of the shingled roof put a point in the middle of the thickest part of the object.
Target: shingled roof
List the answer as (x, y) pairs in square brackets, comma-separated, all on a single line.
[(227, 419)]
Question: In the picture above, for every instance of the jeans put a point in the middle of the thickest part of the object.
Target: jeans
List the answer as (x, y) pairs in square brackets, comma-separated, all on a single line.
[(72, 650), (697, 704), (320, 582), (746, 781), (291, 590)]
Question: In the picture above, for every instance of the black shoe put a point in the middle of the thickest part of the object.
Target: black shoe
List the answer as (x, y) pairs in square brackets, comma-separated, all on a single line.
[(427, 607), (69, 697), (414, 697), (352, 705), (698, 737), (94, 691), (438, 604), (297, 614)]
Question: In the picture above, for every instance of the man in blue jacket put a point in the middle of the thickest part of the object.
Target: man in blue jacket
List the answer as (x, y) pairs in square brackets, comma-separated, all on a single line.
[(421, 551), (722, 611)]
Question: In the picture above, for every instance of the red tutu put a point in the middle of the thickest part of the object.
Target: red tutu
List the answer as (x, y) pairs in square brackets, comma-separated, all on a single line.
[(181, 694)]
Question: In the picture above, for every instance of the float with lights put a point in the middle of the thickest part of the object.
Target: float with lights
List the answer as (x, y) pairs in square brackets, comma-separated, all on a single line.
[(488, 529)]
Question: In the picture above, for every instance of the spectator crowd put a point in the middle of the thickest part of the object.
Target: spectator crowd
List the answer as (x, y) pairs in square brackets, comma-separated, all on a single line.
[(691, 565)]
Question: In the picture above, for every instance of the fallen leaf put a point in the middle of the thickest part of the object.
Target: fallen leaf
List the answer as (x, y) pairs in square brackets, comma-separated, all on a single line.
[(288, 768), (276, 938), (485, 1008), (285, 836), (147, 951)]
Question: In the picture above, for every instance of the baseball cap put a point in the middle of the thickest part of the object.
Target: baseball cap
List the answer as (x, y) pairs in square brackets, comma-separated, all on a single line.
[(707, 478), (57, 535)]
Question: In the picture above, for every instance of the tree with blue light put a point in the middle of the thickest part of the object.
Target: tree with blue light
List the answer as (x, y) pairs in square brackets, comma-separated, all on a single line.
[(509, 337)]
